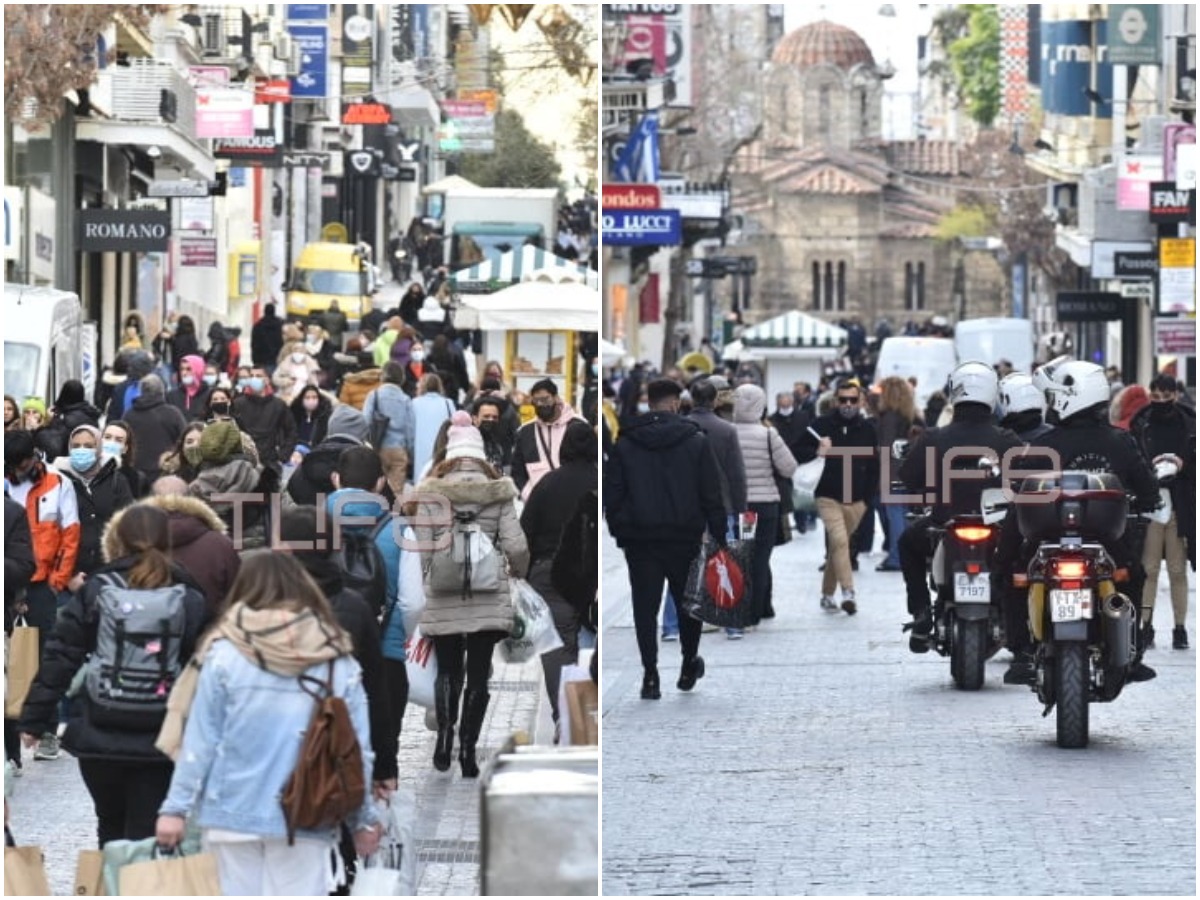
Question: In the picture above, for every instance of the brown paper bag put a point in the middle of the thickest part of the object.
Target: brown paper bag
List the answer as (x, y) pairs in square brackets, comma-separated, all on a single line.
[(25, 872), (89, 874), (172, 876), (23, 657), (583, 697)]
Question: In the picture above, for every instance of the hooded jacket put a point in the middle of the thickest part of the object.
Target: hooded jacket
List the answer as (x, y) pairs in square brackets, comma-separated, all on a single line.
[(471, 490), (139, 365), (536, 448), (311, 432), (158, 427), (554, 500), (53, 513), (236, 475), (99, 499), (200, 544), (191, 400), (662, 484), (764, 452), (218, 350), (73, 638), (269, 422), (1175, 433)]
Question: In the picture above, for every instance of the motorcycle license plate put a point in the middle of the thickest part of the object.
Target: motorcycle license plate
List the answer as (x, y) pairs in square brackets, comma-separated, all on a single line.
[(972, 588), (1070, 606)]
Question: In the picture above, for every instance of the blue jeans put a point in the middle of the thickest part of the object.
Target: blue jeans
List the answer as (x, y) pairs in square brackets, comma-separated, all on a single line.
[(896, 524), (670, 623)]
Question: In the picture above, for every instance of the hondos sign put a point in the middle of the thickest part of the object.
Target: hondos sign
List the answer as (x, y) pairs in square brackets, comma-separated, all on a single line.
[(122, 230)]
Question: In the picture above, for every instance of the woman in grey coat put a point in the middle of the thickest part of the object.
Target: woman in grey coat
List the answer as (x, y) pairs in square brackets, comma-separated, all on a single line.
[(466, 621)]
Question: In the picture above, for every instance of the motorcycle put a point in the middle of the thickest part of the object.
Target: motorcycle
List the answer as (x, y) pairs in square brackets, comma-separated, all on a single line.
[(1083, 627)]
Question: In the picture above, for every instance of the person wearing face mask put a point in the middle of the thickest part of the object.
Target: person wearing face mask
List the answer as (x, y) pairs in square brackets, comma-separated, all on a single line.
[(184, 460), (268, 420), (99, 491), (118, 443), (310, 412), (191, 397), (158, 425), (486, 418), (416, 367), (536, 447), (49, 501), (843, 427), (296, 370), (1165, 431)]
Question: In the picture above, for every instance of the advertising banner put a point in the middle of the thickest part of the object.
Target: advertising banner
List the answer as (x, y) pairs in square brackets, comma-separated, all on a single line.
[(224, 112), (313, 41), (1175, 337), (198, 252), (632, 228), (122, 230)]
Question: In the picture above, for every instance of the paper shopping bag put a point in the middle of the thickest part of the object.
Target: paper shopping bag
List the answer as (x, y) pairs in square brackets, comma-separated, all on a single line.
[(23, 657), (25, 872), (89, 874), (583, 698), (172, 876)]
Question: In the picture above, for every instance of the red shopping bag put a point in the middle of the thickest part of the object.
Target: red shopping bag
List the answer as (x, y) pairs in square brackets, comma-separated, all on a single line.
[(724, 580)]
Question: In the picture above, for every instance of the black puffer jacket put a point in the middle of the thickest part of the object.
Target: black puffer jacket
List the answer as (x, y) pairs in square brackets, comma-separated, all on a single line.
[(98, 501), (315, 475), (269, 422), (158, 427), (662, 484), (19, 564), (73, 639)]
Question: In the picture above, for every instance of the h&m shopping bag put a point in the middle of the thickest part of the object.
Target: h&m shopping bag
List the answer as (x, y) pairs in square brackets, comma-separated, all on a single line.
[(89, 874), (718, 585), (171, 876), (23, 656), (420, 662), (25, 872)]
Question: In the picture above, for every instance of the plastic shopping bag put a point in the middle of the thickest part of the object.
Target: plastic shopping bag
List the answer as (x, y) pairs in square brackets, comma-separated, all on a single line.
[(411, 590), (718, 585), (533, 631), (392, 870), (420, 662)]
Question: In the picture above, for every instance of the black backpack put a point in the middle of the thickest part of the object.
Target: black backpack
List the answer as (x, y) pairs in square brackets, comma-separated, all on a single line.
[(363, 567)]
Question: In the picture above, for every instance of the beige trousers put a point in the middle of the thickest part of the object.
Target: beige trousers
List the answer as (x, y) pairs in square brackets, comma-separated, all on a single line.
[(1164, 542), (841, 519)]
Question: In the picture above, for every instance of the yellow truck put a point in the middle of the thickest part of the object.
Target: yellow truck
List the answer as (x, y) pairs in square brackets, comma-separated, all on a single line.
[(327, 271)]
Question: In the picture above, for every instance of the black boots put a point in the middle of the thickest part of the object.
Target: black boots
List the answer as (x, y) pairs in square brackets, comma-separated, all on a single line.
[(445, 704), (921, 627), (475, 704), (690, 672), (650, 685), (1022, 669)]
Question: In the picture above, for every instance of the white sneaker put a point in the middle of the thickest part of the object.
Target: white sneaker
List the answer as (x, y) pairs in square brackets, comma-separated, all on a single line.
[(734, 634), (827, 604), (47, 748)]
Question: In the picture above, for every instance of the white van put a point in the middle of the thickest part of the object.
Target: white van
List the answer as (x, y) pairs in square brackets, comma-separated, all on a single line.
[(991, 340), (930, 360), (43, 341)]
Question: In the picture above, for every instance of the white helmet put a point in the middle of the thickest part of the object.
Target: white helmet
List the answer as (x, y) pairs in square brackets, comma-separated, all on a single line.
[(1043, 378), (1018, 394), (1077, 386), (974, 382)]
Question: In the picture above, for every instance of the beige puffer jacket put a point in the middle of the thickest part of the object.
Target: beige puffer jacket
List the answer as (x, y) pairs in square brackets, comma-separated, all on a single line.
[(471, 490), (763, 450)]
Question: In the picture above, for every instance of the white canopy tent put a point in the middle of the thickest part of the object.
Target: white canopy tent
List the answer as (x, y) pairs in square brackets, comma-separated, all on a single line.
[(515, 266), (788, 348), (532, 306)]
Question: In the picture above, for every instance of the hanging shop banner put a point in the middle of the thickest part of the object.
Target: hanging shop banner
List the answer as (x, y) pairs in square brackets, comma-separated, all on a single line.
[(122, 230), (263, 149), (1170, 204), (307, 11), (313, 42), (224, 112), (357, 52), (631, 228)]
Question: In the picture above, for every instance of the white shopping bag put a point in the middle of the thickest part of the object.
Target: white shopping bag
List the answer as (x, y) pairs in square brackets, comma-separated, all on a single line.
[(392, 870), (420, 661)]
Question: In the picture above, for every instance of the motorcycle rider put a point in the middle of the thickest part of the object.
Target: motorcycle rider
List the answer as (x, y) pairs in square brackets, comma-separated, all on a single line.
[(1078, 395), (1022, 407), (971, 434)]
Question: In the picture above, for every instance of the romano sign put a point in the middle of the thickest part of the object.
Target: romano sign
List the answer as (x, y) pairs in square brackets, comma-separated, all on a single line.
[(122, 230)]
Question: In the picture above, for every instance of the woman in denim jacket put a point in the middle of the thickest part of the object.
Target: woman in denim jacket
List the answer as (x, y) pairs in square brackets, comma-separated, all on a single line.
[(246, 715)]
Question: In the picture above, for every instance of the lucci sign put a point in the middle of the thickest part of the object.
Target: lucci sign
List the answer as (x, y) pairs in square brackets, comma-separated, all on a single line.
[(632, 228), (122, 230)]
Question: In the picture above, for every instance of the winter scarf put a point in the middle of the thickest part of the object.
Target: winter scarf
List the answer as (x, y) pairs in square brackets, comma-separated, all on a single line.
[(279, 640)]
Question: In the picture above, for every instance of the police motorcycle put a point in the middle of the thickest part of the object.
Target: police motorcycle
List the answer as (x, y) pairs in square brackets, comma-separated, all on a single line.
[(967, 619)]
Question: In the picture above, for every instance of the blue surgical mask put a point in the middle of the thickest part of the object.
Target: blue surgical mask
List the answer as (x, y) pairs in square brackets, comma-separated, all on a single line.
[(112, 449), (83, 458), (210, 380), (253, 384)]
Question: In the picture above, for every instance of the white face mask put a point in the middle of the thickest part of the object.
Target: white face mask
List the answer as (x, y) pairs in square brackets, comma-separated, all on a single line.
[(297, 357), (643, 407), (418, 356)]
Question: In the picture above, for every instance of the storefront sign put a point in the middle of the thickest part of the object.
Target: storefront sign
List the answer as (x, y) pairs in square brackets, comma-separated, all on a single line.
[(198, 251), (307, 11), (631, 228), (1133, 34), (263, 149), (1170, 204), (631, 196), (1104, 255), (224, 112), (1088, 306), (1175, 337), (273, 90), (1177, 253), (1135, 265), (357, 52), (1134, 175), (313, 43), (122, 230), (1177, 291), (366, 114)]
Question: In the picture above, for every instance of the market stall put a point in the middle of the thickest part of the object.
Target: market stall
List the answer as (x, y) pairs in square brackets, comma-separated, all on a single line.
[(517, 266), (786, 349)]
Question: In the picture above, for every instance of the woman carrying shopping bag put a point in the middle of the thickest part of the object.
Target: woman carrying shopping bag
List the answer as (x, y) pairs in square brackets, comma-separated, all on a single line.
[(466, 560), (236, 722)]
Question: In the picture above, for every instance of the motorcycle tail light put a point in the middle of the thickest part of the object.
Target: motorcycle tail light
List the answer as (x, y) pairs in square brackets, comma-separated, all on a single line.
[(1121, 575), (1021, 580), (974, 568), (1070, 568), (1070, 585), (972, 534)]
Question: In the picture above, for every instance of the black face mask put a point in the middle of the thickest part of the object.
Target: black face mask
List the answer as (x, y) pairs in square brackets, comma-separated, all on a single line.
[(487, 426), (547, 413), (220, 409), (1161, 409)]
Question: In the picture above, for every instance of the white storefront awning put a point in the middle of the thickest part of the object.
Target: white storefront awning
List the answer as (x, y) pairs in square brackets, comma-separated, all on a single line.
[(794, 331)]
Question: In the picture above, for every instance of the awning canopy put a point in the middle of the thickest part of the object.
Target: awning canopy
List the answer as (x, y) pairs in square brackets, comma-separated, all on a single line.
[(449, 183), (794, 330), (512, 267), (532, 306)]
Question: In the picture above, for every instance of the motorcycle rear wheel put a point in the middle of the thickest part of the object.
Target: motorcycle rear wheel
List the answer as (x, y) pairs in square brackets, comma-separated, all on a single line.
[(1071, 694), (969, 654)]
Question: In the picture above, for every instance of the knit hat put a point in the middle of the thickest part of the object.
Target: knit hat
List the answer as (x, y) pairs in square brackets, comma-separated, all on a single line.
[(219, 442), (37, 404), (463, 440), (347, 421)]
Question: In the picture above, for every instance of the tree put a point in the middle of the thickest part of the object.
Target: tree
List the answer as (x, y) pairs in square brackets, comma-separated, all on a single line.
[(50, 49), (970, 38), (520, 160)]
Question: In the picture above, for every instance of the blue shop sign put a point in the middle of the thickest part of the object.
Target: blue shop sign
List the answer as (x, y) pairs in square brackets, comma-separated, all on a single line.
[(313, 43), (642, 227), (307, 12)]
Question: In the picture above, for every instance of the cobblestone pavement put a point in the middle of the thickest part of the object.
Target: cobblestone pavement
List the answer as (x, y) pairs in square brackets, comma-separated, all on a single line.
[(819, 756), (52, 809)]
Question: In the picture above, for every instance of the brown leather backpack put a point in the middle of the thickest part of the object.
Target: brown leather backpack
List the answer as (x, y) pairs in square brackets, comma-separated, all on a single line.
[(327, 785)]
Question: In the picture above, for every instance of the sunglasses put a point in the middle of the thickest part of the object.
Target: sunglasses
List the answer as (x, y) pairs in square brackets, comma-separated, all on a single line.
[(847, 401)]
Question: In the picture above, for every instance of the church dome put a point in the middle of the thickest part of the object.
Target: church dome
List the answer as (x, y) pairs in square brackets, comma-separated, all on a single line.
[(823, 42)]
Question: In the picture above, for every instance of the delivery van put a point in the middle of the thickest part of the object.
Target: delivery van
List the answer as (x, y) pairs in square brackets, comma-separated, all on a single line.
[(327, 271), (43, 341), (993, 339), (930, 360)]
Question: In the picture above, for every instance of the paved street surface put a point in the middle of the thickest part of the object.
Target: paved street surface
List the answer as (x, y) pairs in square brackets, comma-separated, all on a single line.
[(819, 756), (52, 809)]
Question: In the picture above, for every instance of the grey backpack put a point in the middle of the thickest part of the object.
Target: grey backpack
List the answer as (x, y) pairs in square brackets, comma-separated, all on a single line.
[(138, 655), (471, 564)]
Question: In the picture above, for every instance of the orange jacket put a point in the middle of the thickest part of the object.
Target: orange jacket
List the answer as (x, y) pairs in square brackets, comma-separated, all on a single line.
[(53, 512)]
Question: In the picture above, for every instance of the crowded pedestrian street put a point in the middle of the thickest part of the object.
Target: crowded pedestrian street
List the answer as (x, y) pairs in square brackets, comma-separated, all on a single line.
[(818, 756)]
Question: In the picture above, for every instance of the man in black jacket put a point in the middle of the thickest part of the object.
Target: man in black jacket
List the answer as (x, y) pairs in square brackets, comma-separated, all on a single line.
[(267, 419), (722, 436), (974, 387), (1166, 433), (19, 566), (266, 340), (662, 489)]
